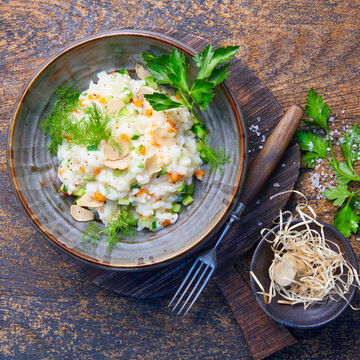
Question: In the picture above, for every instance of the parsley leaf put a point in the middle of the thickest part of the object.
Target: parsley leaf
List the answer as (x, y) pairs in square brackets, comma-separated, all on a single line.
[(315, 145), (339, 194), (210, 58), (346, 220), (317, 110), (158, 66), (350, 146), (202, 92), (219, 74), (161, 102)]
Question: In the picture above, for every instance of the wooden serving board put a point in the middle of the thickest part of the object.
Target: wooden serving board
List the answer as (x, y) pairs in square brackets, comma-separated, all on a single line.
[(262, 112)]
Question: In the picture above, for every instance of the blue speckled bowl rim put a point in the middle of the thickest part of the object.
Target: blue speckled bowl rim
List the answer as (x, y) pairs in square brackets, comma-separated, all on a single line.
[(75, 254), (258, 298)]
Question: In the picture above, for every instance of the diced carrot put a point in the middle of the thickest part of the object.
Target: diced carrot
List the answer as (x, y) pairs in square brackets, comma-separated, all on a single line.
[(143, 150), (148, 112), (68, 138), (141, 192), (61, 171), (99, 197), (166, 223), (170, 122), (97, 171), (172, 130), (150, 194), (102, 100), (124, 137), (199, 174), (173, 177), (97, 96), (82, 169), (138, 103), (141, 216), (154, 143), (178, 96), (81, 102), (91, 97)]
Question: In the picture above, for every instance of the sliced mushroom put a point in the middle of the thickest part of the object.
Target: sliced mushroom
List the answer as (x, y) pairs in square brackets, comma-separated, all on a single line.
[(112, 153), (287, 269), (163, 137), (87, 201), (141, 73), (81, 214), (114, 105), (147, 90), (153, 164), (120, 164)]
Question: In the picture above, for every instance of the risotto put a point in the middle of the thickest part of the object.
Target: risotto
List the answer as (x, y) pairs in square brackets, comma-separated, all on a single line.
[(145, 166)]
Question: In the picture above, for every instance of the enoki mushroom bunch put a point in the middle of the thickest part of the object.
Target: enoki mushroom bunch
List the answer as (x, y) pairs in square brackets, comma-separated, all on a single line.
[(307, 268)]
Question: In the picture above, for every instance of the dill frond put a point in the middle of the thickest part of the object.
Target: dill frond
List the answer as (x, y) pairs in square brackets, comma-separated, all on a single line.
[(68, 100), (215, 157), (125, 223)]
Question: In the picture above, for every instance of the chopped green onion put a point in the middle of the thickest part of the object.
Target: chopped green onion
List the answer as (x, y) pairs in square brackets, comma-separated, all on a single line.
[(86, 178), (136, 186), (150, 81), (63, 188), (162, 171), (117, 172), (124, 201), (135, 136), (68, 161), (124, 111), (79, 192), (187, 200), (153, 225), (182, 189), (141, 165), (122, 71), (199, 131), (137, 112), (176, 208), (76, 200), (92, 147), (190, 190), (139, 148), (128, 97)]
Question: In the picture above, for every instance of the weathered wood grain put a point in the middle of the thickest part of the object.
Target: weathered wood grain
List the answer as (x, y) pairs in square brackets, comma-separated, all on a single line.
[(46, 310)]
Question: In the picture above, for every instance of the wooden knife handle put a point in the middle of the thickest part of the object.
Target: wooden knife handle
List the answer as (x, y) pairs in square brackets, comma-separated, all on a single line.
[(263, 335), (269, 156)]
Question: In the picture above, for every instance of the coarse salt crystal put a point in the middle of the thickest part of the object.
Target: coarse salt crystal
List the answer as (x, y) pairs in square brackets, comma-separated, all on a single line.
[(276, 185)]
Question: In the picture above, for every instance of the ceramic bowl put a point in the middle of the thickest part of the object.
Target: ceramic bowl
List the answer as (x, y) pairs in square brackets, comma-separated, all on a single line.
[(295, 315), (33, 171)]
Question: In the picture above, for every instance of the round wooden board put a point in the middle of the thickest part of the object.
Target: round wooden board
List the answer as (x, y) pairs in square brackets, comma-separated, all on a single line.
[(262, 112)]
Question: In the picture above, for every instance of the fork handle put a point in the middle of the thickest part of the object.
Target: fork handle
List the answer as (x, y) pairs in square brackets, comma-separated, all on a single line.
[(262, 334), (271, 153)]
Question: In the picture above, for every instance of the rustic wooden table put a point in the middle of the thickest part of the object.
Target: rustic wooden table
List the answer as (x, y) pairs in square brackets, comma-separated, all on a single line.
[(46, 311)]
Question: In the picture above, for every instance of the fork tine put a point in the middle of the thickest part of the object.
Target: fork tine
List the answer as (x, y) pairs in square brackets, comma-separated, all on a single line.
[(183, 283), (199, 292), (189, 284), (194, 288)]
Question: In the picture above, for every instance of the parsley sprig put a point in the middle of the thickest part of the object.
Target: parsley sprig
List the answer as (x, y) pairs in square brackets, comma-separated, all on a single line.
[(125, 223), (316, 147), (172, 69)]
